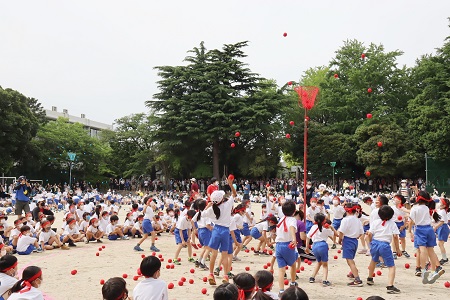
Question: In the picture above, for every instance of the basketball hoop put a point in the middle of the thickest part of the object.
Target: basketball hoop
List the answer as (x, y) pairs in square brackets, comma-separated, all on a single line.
[(306, 96)]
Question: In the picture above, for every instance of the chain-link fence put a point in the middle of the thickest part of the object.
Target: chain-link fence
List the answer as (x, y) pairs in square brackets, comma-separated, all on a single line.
[(438, 175)]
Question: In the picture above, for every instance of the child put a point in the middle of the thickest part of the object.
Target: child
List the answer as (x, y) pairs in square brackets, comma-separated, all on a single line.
[(151, 288), (245, 283), (147, 227), (8, 271), (294, 293), (338, 213), (47, 237), (3, 248), (319, 234), (71, 233), (311, 211), (235, 232), (219, 211), (182, 235), (128, 225), (349, 232), (441, 228), (137, 227), (15, 232), (226, 291), (204, 233), (84, 223), (27, 287), (259, 232), (27, 244), (424, 236), (247, 220), (399, 218), (381, 233), (113, 230), (93, 232), (115, 288), (264, 283), (286, 240)]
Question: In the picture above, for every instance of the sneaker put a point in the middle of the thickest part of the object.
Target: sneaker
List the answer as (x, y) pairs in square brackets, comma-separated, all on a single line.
[(428, 266), (350, 275), (355, 283), (312, 280), (443, 261), (230, 275), (225, 279), (280, 294), (362, 251), (370, 281), (71, 244), (425, 276), (39, 250), (64, 247), (203, 267), (257, 253), (334, 246), (326, 283), (197, 263), (217, 271), (418, 272), (99, 241), (191, 260), (405, 254), (394, 254), (125, 237), (438, 273), (235, 258), (244, 247), (211, 280), (176, 262), (392, 290), (153, 248), (293, 284), (138, 248)]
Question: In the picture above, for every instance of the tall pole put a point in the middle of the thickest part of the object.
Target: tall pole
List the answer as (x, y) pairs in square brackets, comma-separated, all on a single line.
[(70, 174), (333, 178), (305, 161), (426, 171)]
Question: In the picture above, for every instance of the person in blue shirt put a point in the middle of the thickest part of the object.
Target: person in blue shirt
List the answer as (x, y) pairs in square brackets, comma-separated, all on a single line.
[(246, 190), (23, 192)]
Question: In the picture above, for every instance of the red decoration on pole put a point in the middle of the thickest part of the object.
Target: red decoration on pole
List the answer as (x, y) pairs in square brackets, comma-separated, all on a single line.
[(290, 83), (288, 136), (369, 90), (285, 34), (368, 173), (369, 116), (306, 96), (363, 56), (336, 75), (379, 144), (237, 134), (233, 145), (291, 123)]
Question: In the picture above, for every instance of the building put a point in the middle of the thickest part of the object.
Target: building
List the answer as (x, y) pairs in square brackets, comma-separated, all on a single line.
[(93, 127)]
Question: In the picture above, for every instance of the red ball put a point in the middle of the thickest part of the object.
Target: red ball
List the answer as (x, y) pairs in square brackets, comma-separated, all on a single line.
[(204, 291), (180, 283), (447, 284), (170, 286), (191, 281), (124, 275), (205, 279), (253, 249), (407, 266), (368, 173), (231, 177), (172, 266), (290, 83), (183, 279), (237, 134), (286, 282), (288, 136), (233, 145), (363, 56), (192, 271), (139, 271), (100, 249), (335, 257), (359, 298), (156, 238), (169, 260), (73, 272), (143, 255), (247, 268), (167, 266), (221, 268), (298, 270), (336, 76), (269, 264), (285, 34), (309, 263), (305, 260), (103, 246), (369, 116), (135, 278), (369, 90), (291, 123), (247, 251), (97, 254), (265, 266), (379, 273), (194, 254), (400, 218), (379, 144), (153, 253), (102, 281), (161, 259), (286, 267), (339, 251), (160, 256)]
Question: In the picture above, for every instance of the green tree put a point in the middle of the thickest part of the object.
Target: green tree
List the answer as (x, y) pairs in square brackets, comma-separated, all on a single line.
[(20, 118)]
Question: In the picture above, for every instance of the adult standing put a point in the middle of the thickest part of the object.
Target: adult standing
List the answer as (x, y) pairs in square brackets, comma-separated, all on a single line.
[(309, 192), (214, 186), (247, 190), (194, 186), (23, 190)]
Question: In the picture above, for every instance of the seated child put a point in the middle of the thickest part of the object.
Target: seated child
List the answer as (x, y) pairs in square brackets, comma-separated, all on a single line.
[(93, 232), (113, 230), (27, 244), (47, 237), (71, 233)]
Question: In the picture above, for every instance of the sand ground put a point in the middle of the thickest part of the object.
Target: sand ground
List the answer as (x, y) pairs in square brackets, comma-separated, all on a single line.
[(118, 258)]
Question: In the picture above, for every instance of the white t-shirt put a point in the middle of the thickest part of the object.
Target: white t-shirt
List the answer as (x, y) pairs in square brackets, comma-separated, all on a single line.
[(92, 229), (225, 213), (398, 213), (149, 214), (45, 236), (23, 243), (183, 223), (68, 230), (203, 221), (239, 221), (102, 223), (420, 214), (32, 294), (233, 224), (351, 227), (263, 226), (383, 233), (374, 215), (283, 236), (310, 212), (110, 228), (337, 211), (151, 289), (444, 217), (316, 236), (6, 282)]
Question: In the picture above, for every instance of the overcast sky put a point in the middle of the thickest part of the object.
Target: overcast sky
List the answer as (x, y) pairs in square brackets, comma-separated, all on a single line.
[(97, 56)]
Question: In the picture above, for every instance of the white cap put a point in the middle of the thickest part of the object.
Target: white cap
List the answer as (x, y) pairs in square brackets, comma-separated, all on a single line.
[(217, 196), (193, 179)]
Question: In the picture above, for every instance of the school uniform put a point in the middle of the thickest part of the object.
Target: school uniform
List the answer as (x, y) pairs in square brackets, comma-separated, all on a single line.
[(204, 234), (319, 239), (352, 229), (310, 212), (44, 237), (181, 228), (257, 230), (110, 229), (32, 294), (399, 219), (382, 233), (443, 231), (151, 289), (25, 245), (6, 283), (239, 222), (220, 236), (338, 213), (424, 234), (147, 227), (284, 254)]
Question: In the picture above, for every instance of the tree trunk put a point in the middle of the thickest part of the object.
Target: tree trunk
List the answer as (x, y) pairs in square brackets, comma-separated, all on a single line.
[(216, 159)]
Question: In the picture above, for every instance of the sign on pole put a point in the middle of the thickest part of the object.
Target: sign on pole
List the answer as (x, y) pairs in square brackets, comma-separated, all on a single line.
[(333, 164), (71, 155)]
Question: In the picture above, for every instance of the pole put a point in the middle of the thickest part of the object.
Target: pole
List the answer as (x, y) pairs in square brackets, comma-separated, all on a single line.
[(333, 178), (70, 174), (305, 161), (426, 171)]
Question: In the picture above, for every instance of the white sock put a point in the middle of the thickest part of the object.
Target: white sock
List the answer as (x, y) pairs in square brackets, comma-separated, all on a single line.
[(202, 261), (444, 256)]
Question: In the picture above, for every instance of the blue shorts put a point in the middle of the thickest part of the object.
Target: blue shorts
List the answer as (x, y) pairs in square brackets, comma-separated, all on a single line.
[(320, 250), (424, 236), (230, 246), (245, 230), (309, 224), (204, 236), (349, 247), (28, 251), (237, 234), (171, 206), (255, 233), (382, 249), (285, 256), (113, 237), (403, 231), (442, 233), (220, 237), (327, 207), (337, 223), (366, 227), (147, 226), (178, 236)]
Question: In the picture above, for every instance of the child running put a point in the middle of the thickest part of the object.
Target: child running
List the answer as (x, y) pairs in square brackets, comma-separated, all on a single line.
[(147, 227), (182, 232), (441, 228)]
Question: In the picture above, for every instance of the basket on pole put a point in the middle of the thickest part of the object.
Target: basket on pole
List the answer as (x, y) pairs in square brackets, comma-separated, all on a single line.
[(306, 98)]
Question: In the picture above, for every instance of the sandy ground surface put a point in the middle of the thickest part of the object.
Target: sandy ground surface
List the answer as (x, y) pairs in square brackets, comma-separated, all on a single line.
[(118, 258)]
